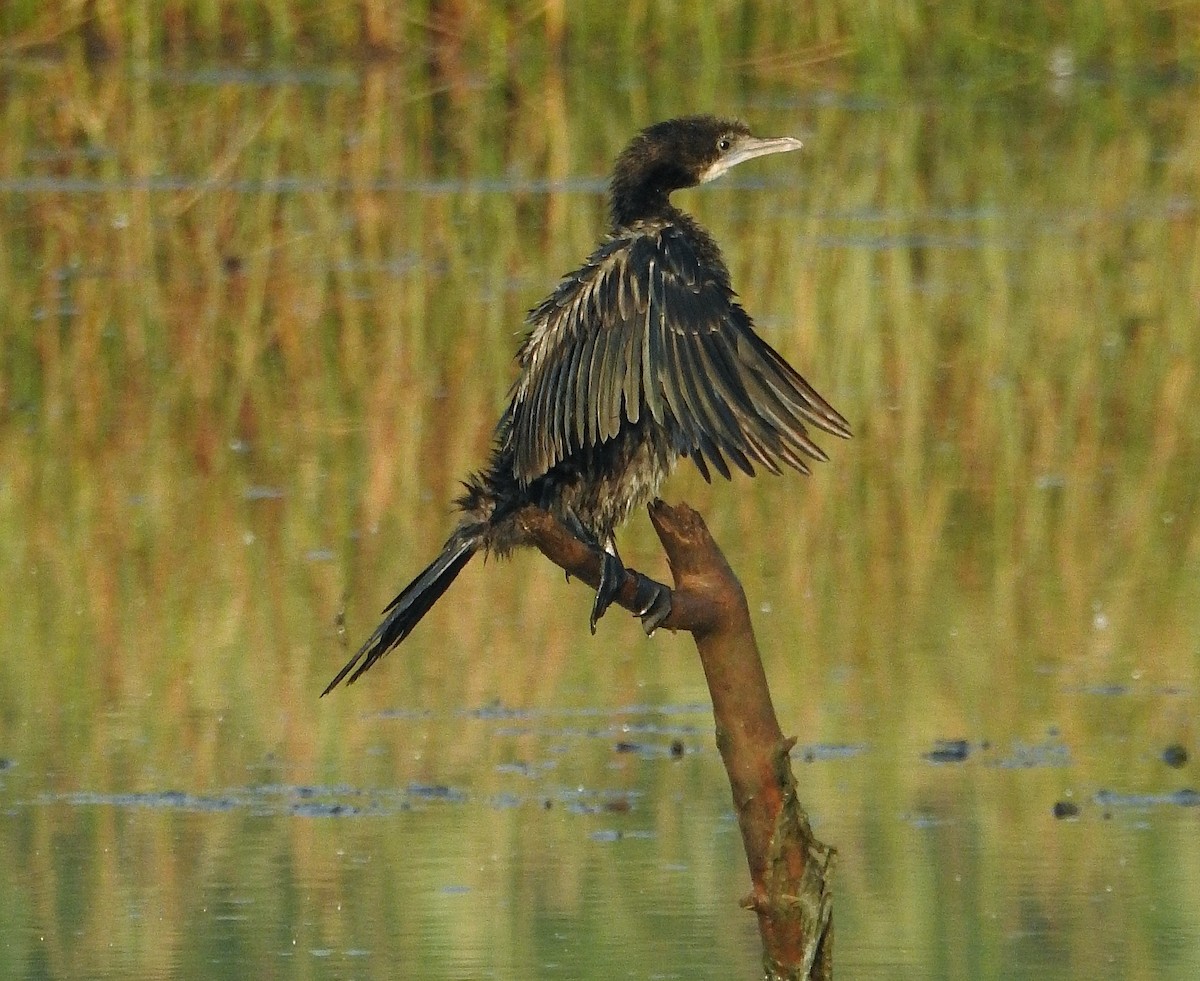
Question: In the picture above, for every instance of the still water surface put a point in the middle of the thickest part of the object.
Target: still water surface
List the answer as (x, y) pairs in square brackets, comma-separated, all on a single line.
[(256, 329)]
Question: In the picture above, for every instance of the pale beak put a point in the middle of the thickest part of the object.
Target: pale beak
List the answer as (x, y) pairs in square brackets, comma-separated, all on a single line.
[(747, 148)]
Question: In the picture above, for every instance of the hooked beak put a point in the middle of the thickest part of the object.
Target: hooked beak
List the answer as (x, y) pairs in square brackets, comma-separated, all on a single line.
[(747, 148)]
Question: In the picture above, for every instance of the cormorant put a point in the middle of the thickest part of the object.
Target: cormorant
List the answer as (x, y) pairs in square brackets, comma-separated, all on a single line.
[(640, 357)]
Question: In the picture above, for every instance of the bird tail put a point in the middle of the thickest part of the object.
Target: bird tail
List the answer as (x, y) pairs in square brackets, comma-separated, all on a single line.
[(406, 610)]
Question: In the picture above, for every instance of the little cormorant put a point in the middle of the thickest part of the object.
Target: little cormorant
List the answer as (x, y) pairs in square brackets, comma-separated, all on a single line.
[(640, 357)]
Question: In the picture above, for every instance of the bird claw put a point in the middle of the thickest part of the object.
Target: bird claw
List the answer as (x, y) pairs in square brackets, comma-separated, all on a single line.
[(653, 601), (612, 576)]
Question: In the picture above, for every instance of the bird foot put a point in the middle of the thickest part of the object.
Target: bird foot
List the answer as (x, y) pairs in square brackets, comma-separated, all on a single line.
[(653, 602), (612, 575)]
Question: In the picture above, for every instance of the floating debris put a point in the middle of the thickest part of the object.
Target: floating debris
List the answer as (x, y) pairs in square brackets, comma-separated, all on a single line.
[(1050, 753), (1175, 756), (823, 752), (436, 791), (1178, 798), (674, 748), (948, 751)]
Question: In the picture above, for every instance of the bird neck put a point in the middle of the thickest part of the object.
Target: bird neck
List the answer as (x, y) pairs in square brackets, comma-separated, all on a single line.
[(701, 242), (640, 202), (702, 245)]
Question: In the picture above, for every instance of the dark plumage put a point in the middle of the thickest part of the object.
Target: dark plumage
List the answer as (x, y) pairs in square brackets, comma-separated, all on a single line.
[(640, 357)]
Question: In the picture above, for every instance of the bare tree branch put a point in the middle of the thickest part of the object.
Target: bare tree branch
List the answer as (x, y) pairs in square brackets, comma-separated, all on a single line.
[(790, 870)]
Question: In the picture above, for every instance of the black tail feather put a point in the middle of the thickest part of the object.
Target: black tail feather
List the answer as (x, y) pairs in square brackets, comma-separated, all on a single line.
[(405, 611)]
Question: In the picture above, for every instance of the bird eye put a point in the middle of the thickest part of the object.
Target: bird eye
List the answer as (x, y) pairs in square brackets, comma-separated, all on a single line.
[(724, 143)]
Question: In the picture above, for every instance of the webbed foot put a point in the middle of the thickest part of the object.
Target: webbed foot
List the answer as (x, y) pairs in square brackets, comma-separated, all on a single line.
[(612, 575), (653, 602)]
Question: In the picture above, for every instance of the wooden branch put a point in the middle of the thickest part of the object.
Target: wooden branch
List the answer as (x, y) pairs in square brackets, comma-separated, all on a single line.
[(789, 869), (689, 611)]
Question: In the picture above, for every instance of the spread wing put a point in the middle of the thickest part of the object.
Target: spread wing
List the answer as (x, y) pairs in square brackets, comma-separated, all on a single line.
[(646, 329)]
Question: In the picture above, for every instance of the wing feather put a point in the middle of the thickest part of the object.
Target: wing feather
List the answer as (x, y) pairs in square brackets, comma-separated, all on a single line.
[(711, 427), (595, 383), (612, 376), (581, 355), (729, 395), (645, 331)]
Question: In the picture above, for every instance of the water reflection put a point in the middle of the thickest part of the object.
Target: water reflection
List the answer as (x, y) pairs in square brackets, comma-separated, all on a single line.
[(249, 350)]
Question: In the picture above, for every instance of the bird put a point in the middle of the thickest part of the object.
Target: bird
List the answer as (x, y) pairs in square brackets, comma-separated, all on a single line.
[(641, 356)]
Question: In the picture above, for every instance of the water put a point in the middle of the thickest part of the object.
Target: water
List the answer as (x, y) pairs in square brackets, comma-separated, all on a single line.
[(254, 334)]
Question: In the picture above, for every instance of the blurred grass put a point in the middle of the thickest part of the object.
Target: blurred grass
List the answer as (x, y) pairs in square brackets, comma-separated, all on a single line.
[(257, 324), (905, 39), (217, 284)]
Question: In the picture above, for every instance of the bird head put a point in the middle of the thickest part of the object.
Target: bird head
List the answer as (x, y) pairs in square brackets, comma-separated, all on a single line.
[(682, 153)]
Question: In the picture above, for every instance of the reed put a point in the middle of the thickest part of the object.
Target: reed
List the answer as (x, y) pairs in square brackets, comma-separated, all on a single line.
[(255, 329), (1002, 43)]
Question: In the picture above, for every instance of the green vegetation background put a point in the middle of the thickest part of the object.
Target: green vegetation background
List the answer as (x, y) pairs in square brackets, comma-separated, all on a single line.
[(263, 268), (878, 40)]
